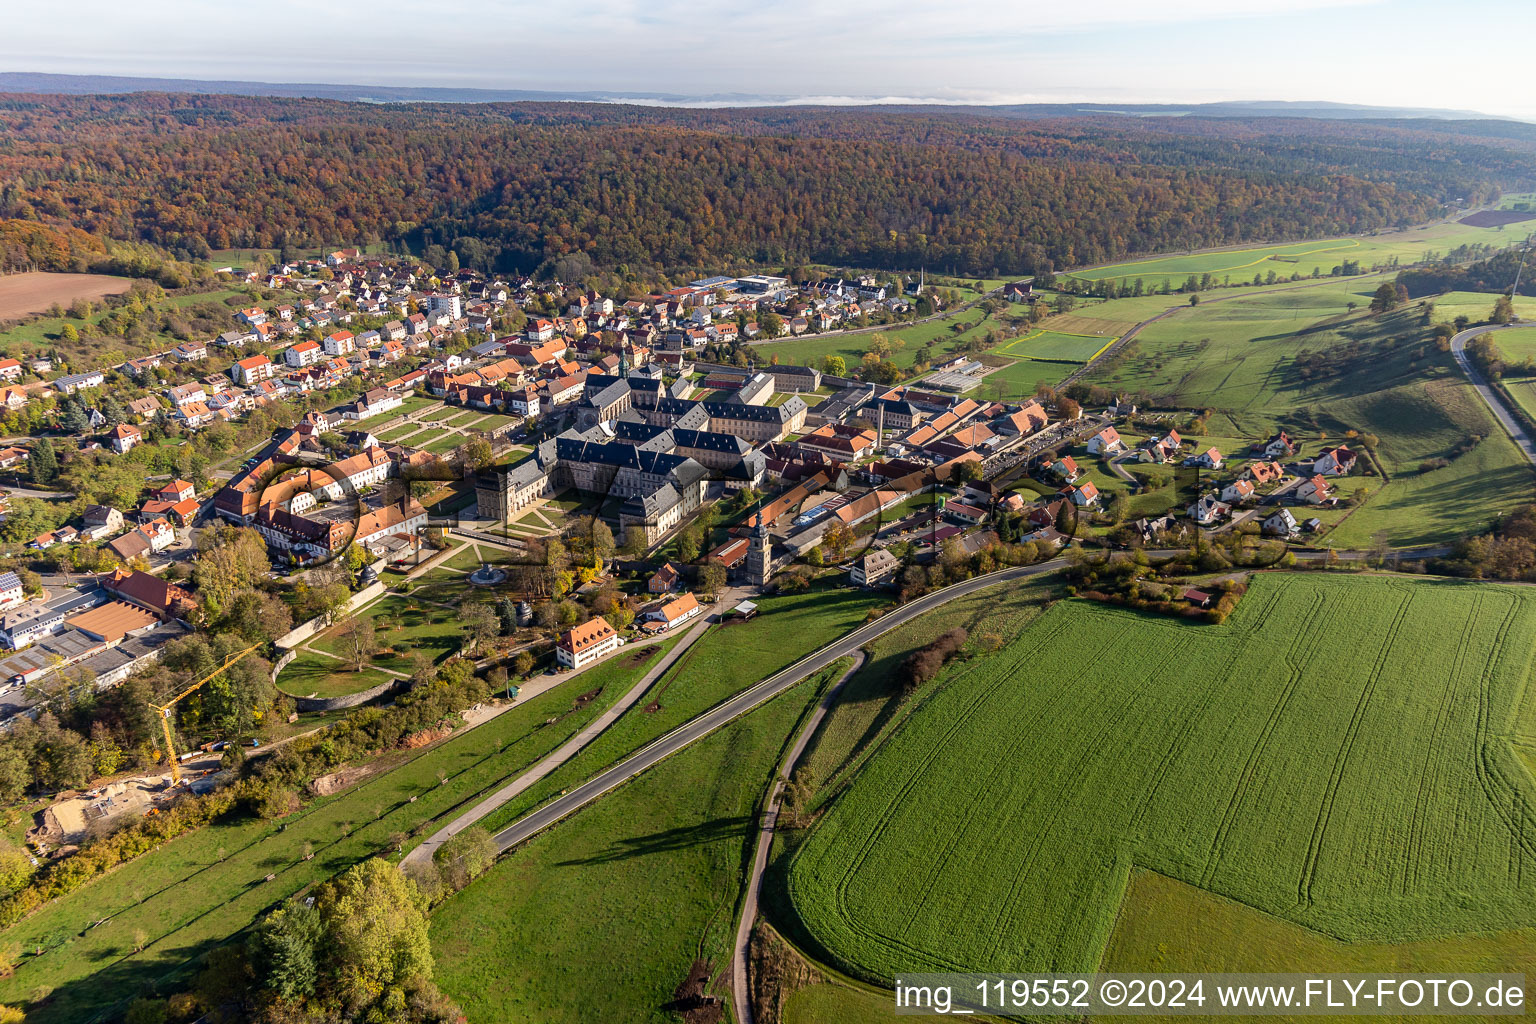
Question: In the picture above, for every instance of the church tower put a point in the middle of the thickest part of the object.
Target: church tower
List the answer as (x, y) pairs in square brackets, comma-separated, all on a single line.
[(760, 553)]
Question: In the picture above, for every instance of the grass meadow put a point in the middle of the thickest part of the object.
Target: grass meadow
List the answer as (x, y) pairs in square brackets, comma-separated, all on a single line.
[(1404, 247), (720, 664), (204, 888), (600, 918), (1339, 757), (1302, 360)]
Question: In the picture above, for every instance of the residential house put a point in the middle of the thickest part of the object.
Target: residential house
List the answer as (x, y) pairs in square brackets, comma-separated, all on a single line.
[(664, 580), (1209, 509), (1334, 462), (581, 645), (80, 381), (1064, 468), (181, 394), (100, 521), (305, 353), (1279, 447), (1281, 524), (146, 408), (10, 370), (675, 612), (1208, 459), (875, 568), (1314, 491), (11, 591), (1106, 442), (1083, 494), (1237, 492), (1262, 473), (124, 436), (341, 343), (252, 370)]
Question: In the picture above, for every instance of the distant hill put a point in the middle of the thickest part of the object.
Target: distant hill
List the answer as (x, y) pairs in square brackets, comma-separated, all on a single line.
[(26, 81)]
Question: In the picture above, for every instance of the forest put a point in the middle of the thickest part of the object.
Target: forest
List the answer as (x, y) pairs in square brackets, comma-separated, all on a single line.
[(1496, 274), (518, 186)]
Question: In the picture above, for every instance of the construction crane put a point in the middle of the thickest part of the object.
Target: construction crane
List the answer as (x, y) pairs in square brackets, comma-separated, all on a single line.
[(164, 710)]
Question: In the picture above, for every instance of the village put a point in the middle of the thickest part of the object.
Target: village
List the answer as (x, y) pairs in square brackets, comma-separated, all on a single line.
[(609, 411)]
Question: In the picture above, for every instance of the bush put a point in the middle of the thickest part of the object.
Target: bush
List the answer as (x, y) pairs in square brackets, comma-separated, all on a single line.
[(924, 663)]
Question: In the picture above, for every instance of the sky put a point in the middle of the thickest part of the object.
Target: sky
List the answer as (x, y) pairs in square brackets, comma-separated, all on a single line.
[(1385, 52)]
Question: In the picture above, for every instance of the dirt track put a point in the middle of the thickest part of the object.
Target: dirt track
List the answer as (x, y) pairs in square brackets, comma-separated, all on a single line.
[(22, 294)]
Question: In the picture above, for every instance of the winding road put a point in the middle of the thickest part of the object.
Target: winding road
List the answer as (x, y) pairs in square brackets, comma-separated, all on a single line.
[(573, 800), (770, 819), (1490, 397)]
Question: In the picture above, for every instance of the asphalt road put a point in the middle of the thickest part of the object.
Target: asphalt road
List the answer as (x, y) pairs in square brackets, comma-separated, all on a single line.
[(1487, 394), (740, 992), (527, 827)]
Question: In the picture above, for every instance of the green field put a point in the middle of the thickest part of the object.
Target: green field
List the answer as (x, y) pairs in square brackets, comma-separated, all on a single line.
[(1054, 346), (808, 351), (623, 896), (1302, 257), (1248, 359), (1344, 754), (1517, 345), (202, 889), (42, 334), (726, 660)]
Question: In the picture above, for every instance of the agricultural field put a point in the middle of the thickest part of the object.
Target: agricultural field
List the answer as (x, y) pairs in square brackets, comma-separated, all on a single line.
[(1169, 925), (655, 866), (25, 294), (1361, 782), (203, 888), (44, 333), (1403, 247)]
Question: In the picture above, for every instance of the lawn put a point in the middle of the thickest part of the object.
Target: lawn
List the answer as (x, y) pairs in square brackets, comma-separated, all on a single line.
[(314, 675), (442, 443), (443, 415), (1405, 247), (398, 433), (1338, 757), (600, 918), (415, 404), (202, 889), (725, 661)]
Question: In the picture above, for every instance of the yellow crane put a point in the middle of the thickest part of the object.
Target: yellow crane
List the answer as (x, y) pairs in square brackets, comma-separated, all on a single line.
[(164, 710)]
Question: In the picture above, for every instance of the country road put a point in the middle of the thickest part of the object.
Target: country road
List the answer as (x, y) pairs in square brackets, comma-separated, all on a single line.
[(766, 825), (532, 824), (1490, 397), (423, 853)]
